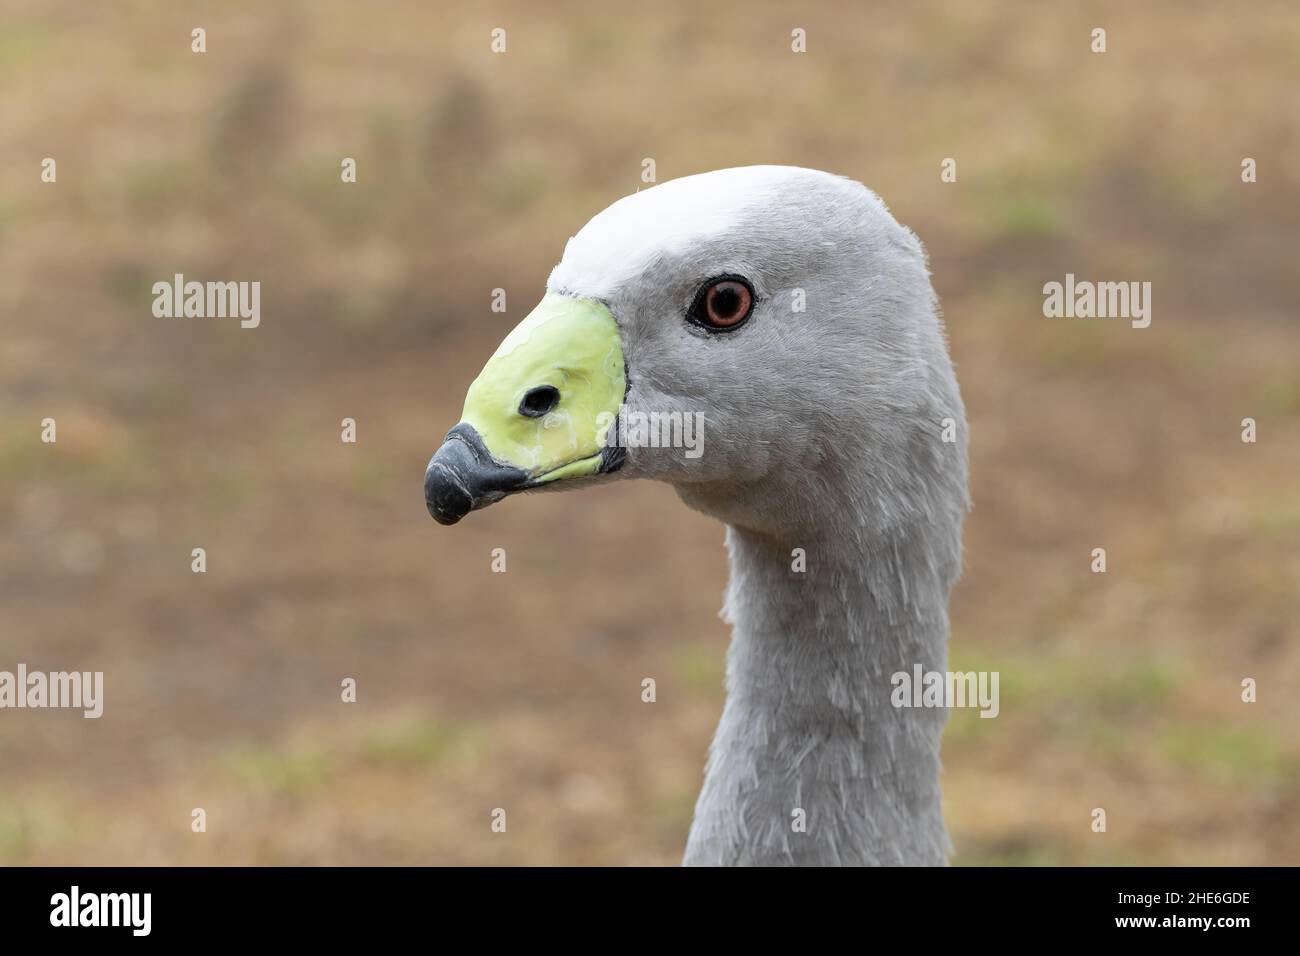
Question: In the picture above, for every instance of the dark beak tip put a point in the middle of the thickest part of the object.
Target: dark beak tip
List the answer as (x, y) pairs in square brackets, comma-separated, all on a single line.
[(462, 476), (445, 494), (441, 516)]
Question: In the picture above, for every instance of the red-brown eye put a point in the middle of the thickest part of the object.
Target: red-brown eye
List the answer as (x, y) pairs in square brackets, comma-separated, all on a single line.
[(723, 304)]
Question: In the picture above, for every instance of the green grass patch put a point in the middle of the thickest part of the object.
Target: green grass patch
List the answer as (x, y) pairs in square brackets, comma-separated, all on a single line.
[(413, 744), (1227, 753), (701, 668), (284, 773), (1278, 396)]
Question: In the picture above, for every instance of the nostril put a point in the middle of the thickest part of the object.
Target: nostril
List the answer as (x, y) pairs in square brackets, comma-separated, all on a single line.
[(539, 401)]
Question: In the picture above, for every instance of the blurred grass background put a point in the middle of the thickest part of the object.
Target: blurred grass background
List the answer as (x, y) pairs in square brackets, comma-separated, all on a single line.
[(481, 690)]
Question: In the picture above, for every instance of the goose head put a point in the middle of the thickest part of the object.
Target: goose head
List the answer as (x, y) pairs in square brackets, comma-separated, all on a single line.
[(778, 317)]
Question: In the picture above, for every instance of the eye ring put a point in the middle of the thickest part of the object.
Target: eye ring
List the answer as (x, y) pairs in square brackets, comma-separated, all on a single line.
[(723, 303)]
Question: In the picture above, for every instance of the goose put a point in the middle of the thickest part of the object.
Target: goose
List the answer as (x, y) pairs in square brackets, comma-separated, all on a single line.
[(790, 309)]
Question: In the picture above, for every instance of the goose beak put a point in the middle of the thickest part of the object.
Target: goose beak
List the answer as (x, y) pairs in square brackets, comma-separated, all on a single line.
[(539, 412)]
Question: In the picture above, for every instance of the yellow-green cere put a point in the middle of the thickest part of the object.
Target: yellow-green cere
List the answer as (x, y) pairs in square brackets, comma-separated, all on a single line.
[(573, 345)]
